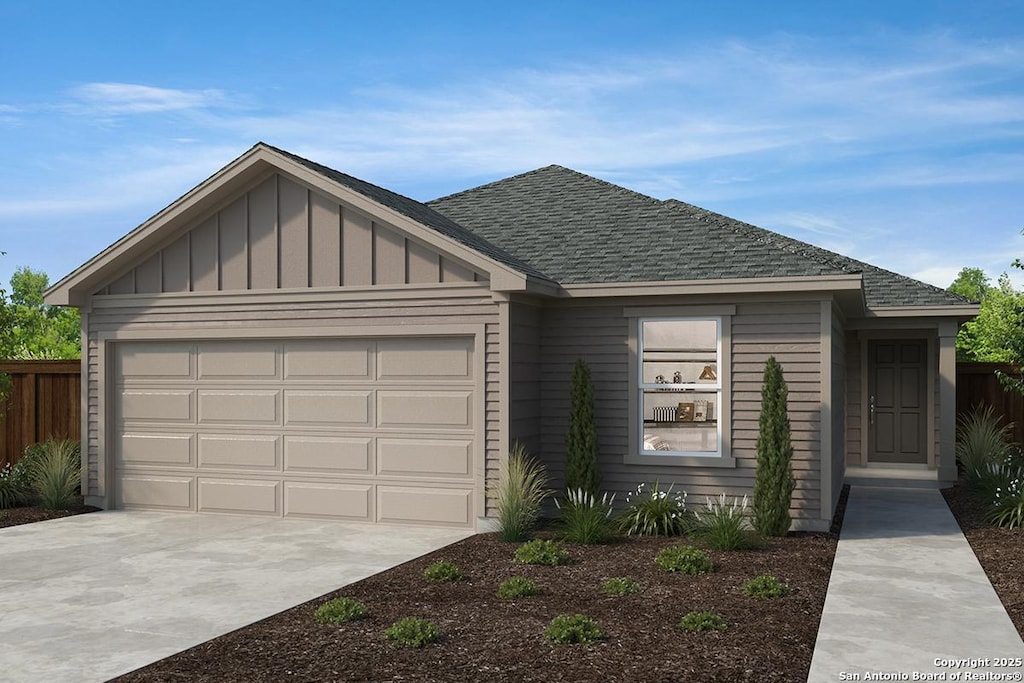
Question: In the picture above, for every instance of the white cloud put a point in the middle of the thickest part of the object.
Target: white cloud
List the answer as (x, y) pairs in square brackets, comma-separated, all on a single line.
[(131, 98)]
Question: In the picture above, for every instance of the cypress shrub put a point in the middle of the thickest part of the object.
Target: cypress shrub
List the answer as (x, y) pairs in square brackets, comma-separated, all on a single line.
[(581, 441), (773, 486)]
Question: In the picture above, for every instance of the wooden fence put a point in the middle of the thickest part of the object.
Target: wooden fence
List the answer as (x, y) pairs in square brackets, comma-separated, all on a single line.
[(977, 384), (46, 401)]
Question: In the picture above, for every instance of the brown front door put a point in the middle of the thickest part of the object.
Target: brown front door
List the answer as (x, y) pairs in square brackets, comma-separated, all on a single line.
[(897, 402)]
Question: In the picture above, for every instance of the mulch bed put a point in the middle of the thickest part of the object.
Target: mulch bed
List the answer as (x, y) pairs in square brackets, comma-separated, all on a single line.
[(485, 638), (28, 515), (1000, 551)]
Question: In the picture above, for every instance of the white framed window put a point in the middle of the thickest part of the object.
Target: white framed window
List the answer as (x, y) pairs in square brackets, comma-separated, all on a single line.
[(679, 380)]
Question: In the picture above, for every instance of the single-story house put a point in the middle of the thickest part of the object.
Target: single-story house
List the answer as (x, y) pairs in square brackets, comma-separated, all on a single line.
[(289, 340)]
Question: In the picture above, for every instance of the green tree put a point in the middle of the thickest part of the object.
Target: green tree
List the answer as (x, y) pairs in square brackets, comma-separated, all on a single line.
[(773, 483), (29, 329), (996, 335), (581, 442)]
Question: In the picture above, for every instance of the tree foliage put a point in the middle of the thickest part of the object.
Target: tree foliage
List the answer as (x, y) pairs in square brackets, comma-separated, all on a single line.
[(29, 329), (581, 441), (996, 335), (774, 482)]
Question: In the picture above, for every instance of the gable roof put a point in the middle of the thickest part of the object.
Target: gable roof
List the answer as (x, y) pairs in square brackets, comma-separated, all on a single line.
[(578, 229)]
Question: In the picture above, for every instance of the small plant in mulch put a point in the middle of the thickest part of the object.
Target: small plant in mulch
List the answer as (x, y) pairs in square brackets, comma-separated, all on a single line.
[(701, 622), (444, 571), (517, 587), (340, 611), (518, 495), (684, 559), (620, 585), (765, 586), (573, 628), (585, 517), (723, 525), (656, 513), (540, 551), (412, 632)]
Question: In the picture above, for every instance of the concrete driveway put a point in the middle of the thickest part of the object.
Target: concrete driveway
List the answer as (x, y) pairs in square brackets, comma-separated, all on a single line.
[(93, 596)]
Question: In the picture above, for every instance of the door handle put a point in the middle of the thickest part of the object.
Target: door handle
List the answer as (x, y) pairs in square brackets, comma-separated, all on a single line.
[(871, 409)]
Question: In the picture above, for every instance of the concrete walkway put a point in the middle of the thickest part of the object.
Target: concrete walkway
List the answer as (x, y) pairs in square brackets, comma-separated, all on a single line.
[(907, 596), (90, 597)]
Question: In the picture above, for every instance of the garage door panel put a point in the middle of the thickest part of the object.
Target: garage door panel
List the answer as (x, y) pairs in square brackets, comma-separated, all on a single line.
[(329, 359), (425, 409), (419, 457), (350, 408), (156, 492), (238, 406), (239, 496), (157, 405), (250, 452), (340, 501), (411, 359), (246, 360), (421, 505), (153, 361), (156, 449), (328, 454)]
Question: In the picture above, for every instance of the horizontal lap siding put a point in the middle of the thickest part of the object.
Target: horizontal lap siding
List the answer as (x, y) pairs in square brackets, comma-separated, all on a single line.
[(599, 334), (460, 307), (838, 405), (525, 376)]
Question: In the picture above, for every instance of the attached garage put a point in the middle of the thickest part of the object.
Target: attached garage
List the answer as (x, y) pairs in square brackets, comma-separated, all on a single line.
[(366, 429)]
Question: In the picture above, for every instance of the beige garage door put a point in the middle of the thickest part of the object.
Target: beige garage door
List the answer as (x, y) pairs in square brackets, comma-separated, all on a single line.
[(377, 429)]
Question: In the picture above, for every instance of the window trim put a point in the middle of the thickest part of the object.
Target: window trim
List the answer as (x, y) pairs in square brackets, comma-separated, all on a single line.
[(723, 316)]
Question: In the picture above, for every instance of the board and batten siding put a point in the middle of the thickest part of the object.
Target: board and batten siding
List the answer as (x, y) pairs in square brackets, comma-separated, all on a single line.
[(791, 331), (345, 312), (282, 235)]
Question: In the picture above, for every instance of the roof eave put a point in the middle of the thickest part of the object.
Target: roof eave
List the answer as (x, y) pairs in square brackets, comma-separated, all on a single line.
[(962, 312), (817, 283)]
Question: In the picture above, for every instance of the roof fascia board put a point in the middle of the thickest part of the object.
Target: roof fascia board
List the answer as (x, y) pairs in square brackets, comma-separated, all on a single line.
[(965, 311), (503, 278), (818, 283)]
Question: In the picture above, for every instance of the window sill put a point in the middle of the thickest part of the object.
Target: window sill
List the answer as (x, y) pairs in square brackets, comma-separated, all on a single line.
[(680, 460)]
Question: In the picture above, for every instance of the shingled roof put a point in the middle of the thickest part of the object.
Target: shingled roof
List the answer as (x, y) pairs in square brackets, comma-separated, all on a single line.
[(575, 229)]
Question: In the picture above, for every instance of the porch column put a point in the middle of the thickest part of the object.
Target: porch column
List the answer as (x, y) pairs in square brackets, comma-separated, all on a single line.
[(947, 400)]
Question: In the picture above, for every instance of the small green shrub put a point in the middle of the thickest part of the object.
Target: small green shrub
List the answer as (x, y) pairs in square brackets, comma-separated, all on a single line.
[(540, 551), (699, 622), (585, 519), (518, 495), (573, 628), (57, 473), (1007, 508), (12, 489), (724, 526), (982, 449), (444, 571), (517, 587), (658, 513), (765, 586), (620, 585), (684, 559), (339, 611), (412, 632)]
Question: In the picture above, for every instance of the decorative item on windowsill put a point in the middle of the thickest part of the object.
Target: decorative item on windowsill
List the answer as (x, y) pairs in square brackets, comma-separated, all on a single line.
[(684, 412), (708, 374), (677, 377), (700, 410), (664, 414)]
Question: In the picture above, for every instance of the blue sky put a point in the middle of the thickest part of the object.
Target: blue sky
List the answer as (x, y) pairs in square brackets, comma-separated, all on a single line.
[(892, 132)]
